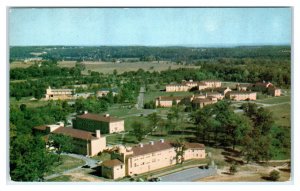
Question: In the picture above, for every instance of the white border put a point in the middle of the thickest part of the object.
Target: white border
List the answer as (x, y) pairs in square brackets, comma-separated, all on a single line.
[(98, 186)]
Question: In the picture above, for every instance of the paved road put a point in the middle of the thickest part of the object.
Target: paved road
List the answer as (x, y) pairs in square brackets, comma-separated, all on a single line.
[(140, 101), (188, 175)]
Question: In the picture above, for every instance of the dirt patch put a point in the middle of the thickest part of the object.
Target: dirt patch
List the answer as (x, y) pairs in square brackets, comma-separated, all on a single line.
[(83, 176)]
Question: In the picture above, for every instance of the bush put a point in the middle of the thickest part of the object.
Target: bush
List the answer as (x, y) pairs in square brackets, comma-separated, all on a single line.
[(233, 169), (274, 175)]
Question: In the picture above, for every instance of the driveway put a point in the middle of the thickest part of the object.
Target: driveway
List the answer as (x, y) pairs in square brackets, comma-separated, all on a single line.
[(189, 175)]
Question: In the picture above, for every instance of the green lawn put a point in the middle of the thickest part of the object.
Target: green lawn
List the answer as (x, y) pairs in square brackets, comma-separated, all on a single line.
[(103, 157), (282, 114), (275, 100), (66, 163), (28, 102), (151, 95)]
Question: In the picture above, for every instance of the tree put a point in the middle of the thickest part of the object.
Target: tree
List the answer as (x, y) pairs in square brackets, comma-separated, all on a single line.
[(28, 158), (274, 175), (180, 149), (233, 169), (61, 143), (154, 120), (139, 130)]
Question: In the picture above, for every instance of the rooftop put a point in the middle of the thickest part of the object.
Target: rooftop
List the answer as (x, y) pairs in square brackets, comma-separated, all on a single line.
[(170, 98), (148, 148), (75, 133), (98, 117), (112, 163), (240, 92), (201, 100), (194, 145)]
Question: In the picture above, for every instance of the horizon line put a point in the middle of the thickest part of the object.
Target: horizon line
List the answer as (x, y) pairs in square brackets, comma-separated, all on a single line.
[(165, 45)]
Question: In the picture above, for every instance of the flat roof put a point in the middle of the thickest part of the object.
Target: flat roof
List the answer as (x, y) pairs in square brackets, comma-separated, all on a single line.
[(98, 117)]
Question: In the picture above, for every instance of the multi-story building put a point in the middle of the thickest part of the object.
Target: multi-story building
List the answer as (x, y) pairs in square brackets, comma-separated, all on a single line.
[(201, 102), (177, 88), (92, 122), (148, 157), (274, 91), (242, 95), (55, 94), (113, 169), (185, 86), (212, 83), (104, 91), (85, 143), (168, 101)]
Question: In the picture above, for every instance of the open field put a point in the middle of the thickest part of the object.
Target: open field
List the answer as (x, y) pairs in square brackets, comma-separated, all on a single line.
[(109, 67), (282, 114), (275, 100), (66, 164), (150, 96), (19, 64), (246, 173), (28, 102)]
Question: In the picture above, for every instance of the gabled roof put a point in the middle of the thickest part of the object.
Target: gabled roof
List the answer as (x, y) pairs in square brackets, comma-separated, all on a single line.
[(201, 100), (194, 145), (170, 98), (97, 117), (240, 92), (112, 163), (75, 133), (148, 148)]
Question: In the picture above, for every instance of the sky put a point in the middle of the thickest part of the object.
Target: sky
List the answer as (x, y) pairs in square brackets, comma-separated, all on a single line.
[(150, 26)]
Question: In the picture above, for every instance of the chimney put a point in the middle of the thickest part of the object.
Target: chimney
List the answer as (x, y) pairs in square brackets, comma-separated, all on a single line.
[(106, 115), (151, 142), (98, 134), (141, 145), (85, 112), (162, 140)]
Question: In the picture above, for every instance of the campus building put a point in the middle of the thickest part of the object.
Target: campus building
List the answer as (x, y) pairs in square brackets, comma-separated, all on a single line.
[(212, 83), (185, 86), (241, 95), (85, 143), (177, 88), (104, 91), (168, 101), (148, 157), (201, 102), (274, 91), (56, 94), (92, 122), (267, 87)]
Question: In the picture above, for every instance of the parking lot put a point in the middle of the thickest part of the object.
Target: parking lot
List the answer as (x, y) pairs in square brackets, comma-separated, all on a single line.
[(189, 175)]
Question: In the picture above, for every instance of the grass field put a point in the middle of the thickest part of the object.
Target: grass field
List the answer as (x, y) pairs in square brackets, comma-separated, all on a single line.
[(150, 96), (109, 67), (282, 114), (28, 102), (275, 100), (66, 164)]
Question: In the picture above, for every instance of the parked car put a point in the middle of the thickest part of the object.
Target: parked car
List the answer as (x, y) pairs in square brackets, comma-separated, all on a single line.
[(86, 166)]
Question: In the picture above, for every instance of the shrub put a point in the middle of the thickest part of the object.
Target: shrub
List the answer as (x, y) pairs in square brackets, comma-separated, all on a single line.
[(274, 175), (233, 169)]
